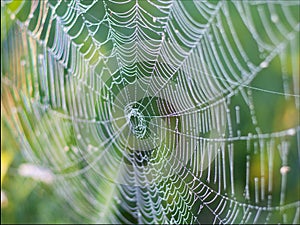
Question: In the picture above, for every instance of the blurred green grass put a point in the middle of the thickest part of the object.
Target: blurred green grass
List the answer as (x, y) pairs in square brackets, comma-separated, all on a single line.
[(28, 200)]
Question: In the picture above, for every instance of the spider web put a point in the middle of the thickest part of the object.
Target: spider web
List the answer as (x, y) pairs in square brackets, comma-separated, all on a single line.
[(158, 112)]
